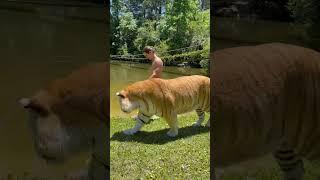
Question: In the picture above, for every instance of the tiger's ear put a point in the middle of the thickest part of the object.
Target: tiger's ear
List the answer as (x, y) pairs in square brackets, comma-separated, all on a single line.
[(120, 94), (24, 102), (28, 103)]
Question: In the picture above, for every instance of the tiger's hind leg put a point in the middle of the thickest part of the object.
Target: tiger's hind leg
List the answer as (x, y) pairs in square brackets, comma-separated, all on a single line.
[(201, 116), (290, 163)]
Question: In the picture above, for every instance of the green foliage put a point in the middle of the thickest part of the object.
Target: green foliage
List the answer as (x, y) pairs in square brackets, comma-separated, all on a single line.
[(115, 13), (304, 11), (162, 48), (193, 57), (179, 18), (147, 35), (200, 28), (306, 15), (123, 49), (204, 63), (128, 29), (205, 4), (166, 25)]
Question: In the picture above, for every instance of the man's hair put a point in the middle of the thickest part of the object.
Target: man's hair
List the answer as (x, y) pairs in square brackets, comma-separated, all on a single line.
[(148, 49)]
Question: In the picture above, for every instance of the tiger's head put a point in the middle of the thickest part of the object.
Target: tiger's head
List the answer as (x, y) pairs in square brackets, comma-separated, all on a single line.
[(127, 103), (53, 140)]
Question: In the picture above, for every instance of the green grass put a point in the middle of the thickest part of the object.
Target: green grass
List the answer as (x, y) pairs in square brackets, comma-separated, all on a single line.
[(151, 154)]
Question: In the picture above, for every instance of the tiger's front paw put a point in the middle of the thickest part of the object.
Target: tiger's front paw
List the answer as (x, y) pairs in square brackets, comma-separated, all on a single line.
[(196, 124), (130, 132), (172, 133)]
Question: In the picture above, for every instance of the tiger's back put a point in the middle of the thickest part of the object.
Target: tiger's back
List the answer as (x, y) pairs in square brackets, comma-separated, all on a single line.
[(267, 100), (189, 93)]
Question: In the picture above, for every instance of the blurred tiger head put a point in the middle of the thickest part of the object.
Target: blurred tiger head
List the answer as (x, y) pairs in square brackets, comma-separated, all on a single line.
[(50, 137), (127, 103)]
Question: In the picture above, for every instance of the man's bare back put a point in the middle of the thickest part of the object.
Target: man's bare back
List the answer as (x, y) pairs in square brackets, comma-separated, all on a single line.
[(156, 68), (157, 64)]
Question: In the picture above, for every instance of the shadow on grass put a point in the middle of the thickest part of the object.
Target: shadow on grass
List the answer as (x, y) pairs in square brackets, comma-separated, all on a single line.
[(160, 136)]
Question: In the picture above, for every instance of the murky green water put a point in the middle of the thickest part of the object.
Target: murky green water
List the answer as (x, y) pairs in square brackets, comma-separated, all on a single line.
[(123, 74), (37, 47)]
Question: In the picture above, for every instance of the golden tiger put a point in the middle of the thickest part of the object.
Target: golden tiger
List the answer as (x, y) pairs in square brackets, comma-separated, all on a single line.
[(70, 115), (166, 98), (266, 100)]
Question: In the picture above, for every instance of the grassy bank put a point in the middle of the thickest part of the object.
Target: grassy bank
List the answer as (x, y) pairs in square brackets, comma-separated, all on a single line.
[(150, 154)]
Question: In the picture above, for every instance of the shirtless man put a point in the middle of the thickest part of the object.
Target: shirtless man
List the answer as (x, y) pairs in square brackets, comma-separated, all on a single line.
[(156, 69), (157, 64)]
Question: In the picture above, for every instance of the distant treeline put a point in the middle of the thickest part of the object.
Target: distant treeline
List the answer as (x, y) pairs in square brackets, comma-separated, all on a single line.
[(165, 25)]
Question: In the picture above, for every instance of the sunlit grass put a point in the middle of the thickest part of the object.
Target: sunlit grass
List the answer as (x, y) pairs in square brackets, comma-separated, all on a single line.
[(151, 154)]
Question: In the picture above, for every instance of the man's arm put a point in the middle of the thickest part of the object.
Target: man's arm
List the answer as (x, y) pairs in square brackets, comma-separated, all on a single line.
[(156, 71)]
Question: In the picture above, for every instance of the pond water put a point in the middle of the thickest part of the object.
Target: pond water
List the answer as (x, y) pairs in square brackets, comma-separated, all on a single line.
[(38, 46), (123, 74)]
